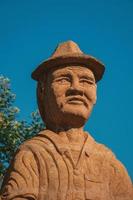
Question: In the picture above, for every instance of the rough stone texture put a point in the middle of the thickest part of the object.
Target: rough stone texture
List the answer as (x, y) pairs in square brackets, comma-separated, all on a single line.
[(68, 53), (63, 162)]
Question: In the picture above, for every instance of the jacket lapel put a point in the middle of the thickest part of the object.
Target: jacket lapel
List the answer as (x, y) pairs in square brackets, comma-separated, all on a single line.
[(62, 145)]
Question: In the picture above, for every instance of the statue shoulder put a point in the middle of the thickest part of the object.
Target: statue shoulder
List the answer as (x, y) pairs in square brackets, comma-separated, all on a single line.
[(38, 143), (117, 169), (99, 149), (105, 151)]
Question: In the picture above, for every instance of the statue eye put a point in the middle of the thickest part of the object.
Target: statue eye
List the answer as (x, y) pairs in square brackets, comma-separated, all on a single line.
[(87, 81), (63, 80)]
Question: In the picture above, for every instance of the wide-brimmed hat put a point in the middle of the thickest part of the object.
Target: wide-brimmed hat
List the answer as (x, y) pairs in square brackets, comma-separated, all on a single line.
[(68, 53)]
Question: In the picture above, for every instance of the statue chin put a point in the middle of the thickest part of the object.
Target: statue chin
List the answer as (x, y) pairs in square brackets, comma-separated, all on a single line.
[(66, 117), (77, 121), (77, 115), (66, 120)]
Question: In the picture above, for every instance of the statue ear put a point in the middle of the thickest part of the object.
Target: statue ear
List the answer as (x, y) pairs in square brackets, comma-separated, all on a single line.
[(41, 87), (40, 99)]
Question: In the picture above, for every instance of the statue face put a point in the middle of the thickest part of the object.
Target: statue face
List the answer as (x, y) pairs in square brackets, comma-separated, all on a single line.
[(70, 94)]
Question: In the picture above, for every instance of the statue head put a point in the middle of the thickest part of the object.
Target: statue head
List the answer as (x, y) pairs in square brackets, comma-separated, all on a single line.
[(67, 87)]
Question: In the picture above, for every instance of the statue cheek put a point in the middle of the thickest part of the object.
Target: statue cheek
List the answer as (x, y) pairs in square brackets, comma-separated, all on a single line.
[(60, 101), (59, 93), (92, 95), (57, 97)]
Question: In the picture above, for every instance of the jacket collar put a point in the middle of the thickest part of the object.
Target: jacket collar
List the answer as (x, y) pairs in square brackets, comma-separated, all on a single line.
[(63, 146)]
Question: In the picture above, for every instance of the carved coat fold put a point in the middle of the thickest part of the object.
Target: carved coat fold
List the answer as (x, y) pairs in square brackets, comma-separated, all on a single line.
[(43, 168)]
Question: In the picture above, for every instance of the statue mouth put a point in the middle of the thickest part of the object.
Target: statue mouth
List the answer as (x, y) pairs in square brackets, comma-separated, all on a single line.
[(77, 100)]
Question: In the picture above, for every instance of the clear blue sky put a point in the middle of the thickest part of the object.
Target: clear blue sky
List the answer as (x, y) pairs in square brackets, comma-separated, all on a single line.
[(29, 32)]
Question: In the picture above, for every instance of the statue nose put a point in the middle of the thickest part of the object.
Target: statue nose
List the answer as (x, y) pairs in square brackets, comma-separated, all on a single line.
[(75, 84), (75, 89)]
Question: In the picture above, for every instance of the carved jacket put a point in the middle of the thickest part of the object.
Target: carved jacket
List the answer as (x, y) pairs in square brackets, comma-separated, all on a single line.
[(43, 169)]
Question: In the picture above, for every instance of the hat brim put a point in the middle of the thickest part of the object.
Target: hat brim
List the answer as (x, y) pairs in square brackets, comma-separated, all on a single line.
[(90, 62)]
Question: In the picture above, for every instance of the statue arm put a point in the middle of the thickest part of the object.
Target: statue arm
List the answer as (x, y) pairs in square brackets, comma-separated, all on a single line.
[(21, 181), (120, 183)]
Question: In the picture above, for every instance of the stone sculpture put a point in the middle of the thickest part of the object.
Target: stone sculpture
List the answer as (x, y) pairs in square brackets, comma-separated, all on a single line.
[(63, 162)]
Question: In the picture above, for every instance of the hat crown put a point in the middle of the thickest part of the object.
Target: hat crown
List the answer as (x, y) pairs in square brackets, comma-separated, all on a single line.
[(69, 53), (66, 48)]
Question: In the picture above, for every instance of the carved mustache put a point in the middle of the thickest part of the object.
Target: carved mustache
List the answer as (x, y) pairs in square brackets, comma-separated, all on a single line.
[(77, 98)]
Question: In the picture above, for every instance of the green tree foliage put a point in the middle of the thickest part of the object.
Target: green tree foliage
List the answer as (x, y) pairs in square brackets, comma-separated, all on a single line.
[(12, 131)]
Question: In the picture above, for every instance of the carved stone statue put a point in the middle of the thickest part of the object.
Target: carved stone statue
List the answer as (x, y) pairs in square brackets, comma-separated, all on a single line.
[(63, 162)]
